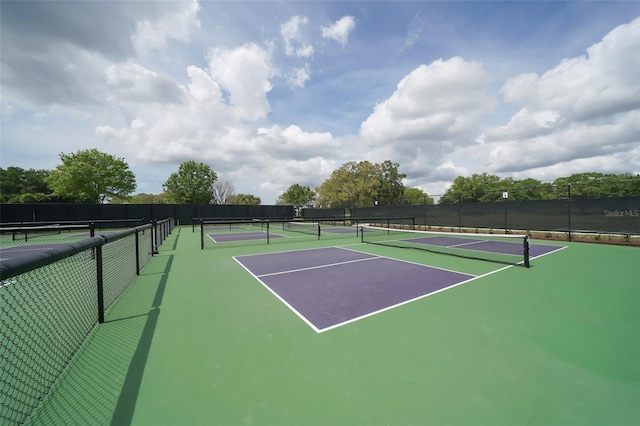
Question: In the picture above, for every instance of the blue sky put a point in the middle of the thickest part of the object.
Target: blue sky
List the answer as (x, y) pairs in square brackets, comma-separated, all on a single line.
[(275, 93)]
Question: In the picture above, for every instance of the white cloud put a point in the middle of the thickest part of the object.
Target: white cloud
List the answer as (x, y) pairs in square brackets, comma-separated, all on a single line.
[(206, 127), (293, 40), (299, 77), (435, 109), (601, 83), (244, 73), (305, 51), (178, 25), (569, 142), (132, 83), (340, 30), (55, 53), (133, 73), (414, 31), (586, 107)]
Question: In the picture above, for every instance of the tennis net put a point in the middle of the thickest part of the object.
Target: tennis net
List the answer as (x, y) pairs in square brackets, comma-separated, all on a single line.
[(510, 249), (311, 228)]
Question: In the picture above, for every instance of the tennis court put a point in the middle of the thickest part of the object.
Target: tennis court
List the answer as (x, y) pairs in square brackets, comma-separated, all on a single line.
[(334, 331), (16, 242)]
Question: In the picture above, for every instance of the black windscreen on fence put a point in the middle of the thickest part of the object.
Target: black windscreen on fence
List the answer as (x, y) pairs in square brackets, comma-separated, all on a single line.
[(183, 213), (609, 215), (620, 214), (323, 213)]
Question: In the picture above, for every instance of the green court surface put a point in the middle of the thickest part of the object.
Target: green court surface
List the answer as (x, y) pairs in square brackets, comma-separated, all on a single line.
[(197, 340)]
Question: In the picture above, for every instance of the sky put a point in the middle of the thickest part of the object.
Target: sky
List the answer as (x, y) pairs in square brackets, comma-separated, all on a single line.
[(275, 93)]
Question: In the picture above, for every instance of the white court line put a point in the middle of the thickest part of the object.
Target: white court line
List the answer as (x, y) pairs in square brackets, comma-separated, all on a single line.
[(376, 257), (549, 252), (328, 265), (302, 317), (472, 242), (413, 263), (370, 314), (297, 251), (211, 236)]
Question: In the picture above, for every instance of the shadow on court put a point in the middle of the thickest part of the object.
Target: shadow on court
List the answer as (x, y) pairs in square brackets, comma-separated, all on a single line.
[(102, 383)]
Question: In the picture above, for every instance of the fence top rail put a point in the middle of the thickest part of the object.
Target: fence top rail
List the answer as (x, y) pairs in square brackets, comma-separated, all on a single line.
[(43, 228), (19, 265), (68, 222), (380, 218), (9, 268), (226, 221), (285, 220), (109, 238), (169, 219)]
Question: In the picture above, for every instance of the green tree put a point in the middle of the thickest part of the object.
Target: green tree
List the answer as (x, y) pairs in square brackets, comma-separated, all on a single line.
[(298, 196), (415, 196), (477, 188), (527, 189), (391, 188), (361, 185), (141, 198), (24, 186), (593, 185), (91, 175), (244, 199), (192, 183)]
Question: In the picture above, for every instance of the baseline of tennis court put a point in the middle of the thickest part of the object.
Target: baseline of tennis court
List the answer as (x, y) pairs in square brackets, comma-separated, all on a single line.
[(331, 287)]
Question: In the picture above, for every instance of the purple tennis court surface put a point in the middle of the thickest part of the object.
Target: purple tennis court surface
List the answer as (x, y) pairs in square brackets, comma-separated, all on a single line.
[(330, 287), (339, 231), (241, 236), (18, 251), (488, 246), (226, 228)]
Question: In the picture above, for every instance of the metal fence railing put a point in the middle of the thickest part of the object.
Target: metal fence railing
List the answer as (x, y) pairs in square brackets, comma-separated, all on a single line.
[(50, 301)]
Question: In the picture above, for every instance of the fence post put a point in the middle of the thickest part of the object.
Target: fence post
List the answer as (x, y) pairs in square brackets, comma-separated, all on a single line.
[(154, 236), (137, 253), (100, 284), (201, 234), (569, 208), (505, 195), (151, 239)]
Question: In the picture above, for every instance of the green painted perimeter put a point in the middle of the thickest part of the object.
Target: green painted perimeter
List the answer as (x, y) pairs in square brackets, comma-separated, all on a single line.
[(196, 340)]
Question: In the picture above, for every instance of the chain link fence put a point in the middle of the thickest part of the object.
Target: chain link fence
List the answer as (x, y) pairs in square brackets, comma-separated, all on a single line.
[(50, 301), (610, 215)]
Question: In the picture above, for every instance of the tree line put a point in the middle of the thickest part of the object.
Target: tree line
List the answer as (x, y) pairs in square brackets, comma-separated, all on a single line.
[(490, 188), (91, 176)]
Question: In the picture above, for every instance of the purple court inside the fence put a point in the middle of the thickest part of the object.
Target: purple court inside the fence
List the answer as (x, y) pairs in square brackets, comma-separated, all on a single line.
[(18, 251), (327, 230), (535, 250), (329, 287), (11, 252), (243, 236), (226, 228)]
